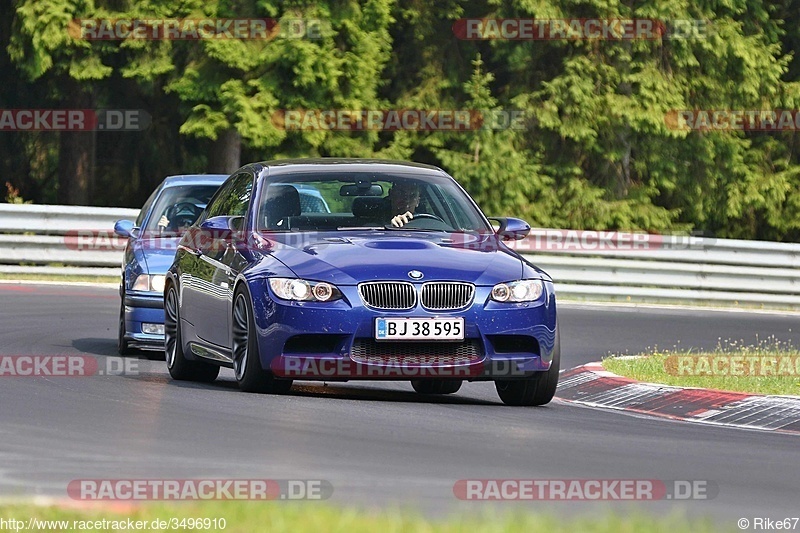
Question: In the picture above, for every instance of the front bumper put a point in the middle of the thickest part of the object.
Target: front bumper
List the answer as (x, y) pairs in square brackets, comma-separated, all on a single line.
[(143, 308), (326, 341)]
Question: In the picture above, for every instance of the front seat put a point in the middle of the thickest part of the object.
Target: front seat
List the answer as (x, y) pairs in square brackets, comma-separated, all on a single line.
[(282, 202), (369, 207)]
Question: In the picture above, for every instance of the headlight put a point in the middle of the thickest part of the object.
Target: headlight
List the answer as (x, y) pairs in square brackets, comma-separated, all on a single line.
[(157, 283), (145, 282), (525, 290), (304, 291)]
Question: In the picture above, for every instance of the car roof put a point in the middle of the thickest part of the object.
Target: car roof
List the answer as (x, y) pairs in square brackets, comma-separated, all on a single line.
[(336, 164), (194, 179)]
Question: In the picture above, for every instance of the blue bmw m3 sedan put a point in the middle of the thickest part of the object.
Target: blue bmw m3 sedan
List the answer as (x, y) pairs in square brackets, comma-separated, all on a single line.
[(400, 277)]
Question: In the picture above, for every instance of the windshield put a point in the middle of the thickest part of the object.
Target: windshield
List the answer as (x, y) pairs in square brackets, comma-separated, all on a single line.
[(177, 208), (333, 201)]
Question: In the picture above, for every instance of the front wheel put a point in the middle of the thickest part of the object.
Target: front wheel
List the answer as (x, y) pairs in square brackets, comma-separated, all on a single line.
[(250, 376), (179, 367), (538, 389), (436, 386)]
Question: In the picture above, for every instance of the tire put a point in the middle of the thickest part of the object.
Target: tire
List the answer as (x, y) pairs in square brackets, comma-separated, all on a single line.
[(538, 389), (179, 367), (250, 376), (122, 345), (436, 386)]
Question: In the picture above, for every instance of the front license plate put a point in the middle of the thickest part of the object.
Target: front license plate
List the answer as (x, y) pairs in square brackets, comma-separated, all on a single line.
[(423, 329)]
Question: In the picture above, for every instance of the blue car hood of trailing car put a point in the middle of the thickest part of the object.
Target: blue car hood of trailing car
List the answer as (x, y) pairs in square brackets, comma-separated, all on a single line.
[(349, 259), (157, 252)]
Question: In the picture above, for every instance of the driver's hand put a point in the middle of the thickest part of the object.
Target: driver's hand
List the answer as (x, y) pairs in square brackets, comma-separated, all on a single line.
[(400, 220), (163, 221)]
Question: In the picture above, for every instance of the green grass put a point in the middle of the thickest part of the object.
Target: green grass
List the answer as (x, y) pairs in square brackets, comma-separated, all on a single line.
[(301, 517), (742, 367)]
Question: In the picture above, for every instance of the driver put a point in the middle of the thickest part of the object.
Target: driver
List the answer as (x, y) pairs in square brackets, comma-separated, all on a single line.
[(403, 199), (180, 217)]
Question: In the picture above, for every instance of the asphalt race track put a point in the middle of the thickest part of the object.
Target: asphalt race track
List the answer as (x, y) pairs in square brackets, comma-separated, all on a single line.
[(379, 444)]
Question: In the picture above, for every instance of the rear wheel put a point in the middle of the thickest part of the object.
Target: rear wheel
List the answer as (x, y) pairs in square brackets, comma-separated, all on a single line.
[(250, 376), (122, 345), (536, 390), (436, 386), (179, 367)]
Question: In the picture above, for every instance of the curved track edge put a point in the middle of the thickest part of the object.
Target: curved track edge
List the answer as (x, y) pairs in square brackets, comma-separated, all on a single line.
[(593, 386)]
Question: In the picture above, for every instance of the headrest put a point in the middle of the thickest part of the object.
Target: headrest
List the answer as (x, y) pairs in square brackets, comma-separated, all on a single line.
[(282, 201), (368, 206)]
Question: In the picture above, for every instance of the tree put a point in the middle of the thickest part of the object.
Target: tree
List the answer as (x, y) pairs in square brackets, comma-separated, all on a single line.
[(601, 119), (232, 89), (42, 47)]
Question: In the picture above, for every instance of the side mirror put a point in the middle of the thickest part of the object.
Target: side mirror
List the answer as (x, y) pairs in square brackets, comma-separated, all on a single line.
[(236, 223), (512, 228), (125, 228), (220, 223), (223, 227)]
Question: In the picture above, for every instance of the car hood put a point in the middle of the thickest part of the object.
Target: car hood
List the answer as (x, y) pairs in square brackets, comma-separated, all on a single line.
[(391, 255), (157, 253)]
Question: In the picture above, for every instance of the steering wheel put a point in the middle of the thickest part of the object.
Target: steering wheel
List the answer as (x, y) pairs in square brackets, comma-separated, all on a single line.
[(180, 206), (418, 222), (428, 215)]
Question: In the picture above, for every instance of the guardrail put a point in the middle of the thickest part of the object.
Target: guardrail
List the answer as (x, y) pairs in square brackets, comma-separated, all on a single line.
[(33, 238), (586, 265), (616, 266)]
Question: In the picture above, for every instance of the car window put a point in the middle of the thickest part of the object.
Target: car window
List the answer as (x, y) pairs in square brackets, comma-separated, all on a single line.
[(177, 207), (333, 201), (146, 207), (233, 197)]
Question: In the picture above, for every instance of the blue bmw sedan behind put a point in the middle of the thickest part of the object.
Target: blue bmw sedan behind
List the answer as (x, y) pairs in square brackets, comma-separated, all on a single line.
[(152, 239), (400, 277)]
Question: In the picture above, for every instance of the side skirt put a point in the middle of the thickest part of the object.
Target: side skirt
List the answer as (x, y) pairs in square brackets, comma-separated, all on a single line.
[(205, 352)]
